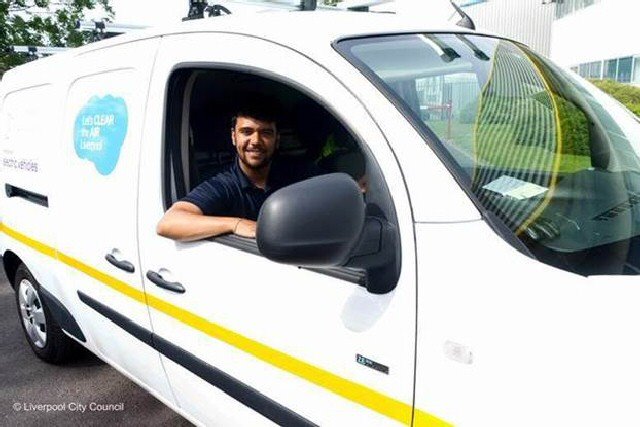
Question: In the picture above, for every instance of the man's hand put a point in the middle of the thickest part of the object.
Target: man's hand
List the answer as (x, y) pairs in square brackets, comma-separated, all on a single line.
[(246, 228)]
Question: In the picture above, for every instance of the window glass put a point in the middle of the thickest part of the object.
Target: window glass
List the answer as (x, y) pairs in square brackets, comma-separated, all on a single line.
[(624, 69), (636, 70), (584, 70), (566, 7), (562, 8), (610, 69), (555, 161), (595, 69)]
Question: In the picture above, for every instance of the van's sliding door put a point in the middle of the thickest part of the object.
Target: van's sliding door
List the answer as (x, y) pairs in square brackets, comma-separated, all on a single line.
[(95, 205)]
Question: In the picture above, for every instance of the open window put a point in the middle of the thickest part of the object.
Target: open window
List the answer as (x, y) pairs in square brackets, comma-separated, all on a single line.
[(200, 105)]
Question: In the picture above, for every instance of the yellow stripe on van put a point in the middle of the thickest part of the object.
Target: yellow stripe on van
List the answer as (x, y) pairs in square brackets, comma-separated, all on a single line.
[(110, 281), (40, 247), (348, 389)]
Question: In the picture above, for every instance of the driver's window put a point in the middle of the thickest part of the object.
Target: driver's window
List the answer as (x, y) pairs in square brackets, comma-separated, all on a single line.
[(200, 107)]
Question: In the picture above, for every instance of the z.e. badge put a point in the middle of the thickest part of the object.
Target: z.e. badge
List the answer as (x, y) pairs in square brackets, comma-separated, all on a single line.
[(371, 364)]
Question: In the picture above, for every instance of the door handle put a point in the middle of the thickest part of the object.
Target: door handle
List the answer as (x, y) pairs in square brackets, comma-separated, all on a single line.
[(122, 265), (160, 282)]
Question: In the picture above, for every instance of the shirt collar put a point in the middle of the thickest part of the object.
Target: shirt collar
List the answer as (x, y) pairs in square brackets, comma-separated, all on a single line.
[(246, 183), (241, 177)]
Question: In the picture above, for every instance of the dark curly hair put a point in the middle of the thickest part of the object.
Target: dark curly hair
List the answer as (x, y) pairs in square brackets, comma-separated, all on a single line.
[(257, 106)]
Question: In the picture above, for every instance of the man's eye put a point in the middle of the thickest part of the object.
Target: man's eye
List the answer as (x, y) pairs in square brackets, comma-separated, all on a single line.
[(246, 132), (267, 132)]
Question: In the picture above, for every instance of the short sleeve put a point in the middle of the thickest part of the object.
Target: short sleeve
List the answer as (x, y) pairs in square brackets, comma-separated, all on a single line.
[(212, 197)]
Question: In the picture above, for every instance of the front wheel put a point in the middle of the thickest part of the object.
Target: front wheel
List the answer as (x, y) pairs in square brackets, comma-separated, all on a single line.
[(44, 335)]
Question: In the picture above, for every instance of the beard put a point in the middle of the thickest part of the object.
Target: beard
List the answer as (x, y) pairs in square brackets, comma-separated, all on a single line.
[(256, 165)]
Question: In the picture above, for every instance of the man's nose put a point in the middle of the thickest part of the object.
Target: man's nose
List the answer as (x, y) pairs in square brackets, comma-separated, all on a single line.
[(256, 138)]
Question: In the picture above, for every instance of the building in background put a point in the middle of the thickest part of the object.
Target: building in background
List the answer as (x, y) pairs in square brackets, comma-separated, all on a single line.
[(526, 21), (598, 39)]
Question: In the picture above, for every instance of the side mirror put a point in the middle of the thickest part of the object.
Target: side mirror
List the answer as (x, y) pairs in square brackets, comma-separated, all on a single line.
[(313, 223)]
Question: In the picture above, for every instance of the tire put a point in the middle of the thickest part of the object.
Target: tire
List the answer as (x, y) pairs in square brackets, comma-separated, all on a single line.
[(42, 332)]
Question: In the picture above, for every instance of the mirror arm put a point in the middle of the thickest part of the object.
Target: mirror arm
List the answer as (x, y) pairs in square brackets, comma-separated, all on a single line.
[(377, 252)]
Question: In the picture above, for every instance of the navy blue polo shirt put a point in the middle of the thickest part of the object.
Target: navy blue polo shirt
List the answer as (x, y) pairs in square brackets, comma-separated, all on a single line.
[(231, 193)]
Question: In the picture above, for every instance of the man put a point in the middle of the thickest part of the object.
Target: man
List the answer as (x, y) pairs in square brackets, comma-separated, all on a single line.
[(230, 201)]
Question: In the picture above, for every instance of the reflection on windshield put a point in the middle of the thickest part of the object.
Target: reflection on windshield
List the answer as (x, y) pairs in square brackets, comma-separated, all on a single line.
[(552, 157)]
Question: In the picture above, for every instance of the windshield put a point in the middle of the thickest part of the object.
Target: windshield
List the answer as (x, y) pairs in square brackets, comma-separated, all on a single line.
[(548, 154)]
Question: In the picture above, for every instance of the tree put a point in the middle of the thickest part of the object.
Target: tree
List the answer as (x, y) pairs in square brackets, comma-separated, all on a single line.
[(624, 93), (42, 23)]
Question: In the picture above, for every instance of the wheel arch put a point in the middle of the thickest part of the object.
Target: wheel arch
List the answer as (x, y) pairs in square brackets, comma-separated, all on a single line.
[(11, 262)]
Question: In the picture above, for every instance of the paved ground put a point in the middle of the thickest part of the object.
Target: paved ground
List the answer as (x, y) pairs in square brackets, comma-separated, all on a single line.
[(25, 382)]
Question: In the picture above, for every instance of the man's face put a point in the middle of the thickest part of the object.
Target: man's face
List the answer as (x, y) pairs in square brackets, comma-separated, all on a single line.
[(255, 141)]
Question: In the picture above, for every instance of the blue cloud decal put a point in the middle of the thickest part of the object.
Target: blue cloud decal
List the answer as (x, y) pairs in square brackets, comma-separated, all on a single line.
[(100, 129)]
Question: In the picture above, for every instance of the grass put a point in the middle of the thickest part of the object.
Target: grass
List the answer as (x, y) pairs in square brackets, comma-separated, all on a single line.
[(505, 153)]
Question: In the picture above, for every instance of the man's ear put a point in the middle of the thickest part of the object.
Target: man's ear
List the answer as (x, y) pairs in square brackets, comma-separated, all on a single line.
[(233, 137)]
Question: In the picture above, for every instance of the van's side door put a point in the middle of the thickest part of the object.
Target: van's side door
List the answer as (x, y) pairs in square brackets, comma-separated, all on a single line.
[(250, 337), (95, 206)]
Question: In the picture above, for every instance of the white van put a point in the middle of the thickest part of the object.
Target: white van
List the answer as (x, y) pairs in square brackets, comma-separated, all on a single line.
[(487, 277)]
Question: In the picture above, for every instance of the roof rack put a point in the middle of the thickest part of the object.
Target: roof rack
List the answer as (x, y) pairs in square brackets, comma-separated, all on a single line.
[(100, 30), (36, 52), (103, 30), (199, 9)]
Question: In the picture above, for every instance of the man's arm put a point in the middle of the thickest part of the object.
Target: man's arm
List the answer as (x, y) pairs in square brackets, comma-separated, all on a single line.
[(185, 222)]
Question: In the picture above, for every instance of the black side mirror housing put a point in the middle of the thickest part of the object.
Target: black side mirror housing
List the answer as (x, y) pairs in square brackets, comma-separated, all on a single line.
[(312, 223)]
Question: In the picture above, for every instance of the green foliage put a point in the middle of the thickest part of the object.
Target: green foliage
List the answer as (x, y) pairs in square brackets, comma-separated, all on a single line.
[(628, 95), (518, 133), (527, 117), (574, 127), (42, 23)]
